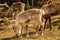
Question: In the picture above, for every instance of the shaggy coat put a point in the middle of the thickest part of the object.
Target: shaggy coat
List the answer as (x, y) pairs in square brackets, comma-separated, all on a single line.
[(16, 8), (51, 10), (24, 18)]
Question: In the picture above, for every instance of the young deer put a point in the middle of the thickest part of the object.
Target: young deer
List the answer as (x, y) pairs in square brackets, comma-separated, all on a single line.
[(25, 17)]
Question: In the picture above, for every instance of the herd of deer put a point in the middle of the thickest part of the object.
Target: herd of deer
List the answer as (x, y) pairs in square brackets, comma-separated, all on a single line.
[(39, 16)]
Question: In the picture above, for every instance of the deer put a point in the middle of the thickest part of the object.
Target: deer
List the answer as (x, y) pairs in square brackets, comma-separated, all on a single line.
[(50, 9), (16, 8), (23, 19)]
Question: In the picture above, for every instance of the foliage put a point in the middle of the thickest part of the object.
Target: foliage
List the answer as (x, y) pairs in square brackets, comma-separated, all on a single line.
[(40, 4), (27, 6)]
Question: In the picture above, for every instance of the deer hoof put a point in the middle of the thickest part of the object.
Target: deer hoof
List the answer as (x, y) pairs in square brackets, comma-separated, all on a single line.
[(27, 35), (21, 36), (36, 34)]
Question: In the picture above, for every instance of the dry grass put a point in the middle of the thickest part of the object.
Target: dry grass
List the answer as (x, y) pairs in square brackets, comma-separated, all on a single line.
[(48, 35), (9, 34)]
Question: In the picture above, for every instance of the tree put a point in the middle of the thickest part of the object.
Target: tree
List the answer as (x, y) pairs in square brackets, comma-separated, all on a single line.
[(27, 2), (32, 3)]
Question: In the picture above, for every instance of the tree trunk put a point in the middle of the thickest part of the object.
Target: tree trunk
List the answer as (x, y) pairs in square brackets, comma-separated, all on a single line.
[(18, 0), (27, 2), (32, 3)]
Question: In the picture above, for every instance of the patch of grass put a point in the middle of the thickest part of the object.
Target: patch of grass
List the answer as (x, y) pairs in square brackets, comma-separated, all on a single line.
[(9, 34)]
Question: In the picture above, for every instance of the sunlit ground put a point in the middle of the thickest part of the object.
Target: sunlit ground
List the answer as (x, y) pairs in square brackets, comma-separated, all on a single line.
[(7, 33)]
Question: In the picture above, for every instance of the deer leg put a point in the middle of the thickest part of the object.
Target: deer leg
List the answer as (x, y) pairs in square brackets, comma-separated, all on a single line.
[(42, 27), (20, 31), (45, 23), (27, 31), (37, 30), (50, 23)]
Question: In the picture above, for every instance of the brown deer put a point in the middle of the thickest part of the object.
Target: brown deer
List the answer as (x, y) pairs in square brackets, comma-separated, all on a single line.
[(17, 7), (23, 19), (50, 10)]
